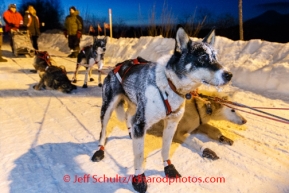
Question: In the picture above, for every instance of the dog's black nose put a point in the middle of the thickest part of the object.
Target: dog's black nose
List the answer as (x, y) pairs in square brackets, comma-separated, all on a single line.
[(227, 75)]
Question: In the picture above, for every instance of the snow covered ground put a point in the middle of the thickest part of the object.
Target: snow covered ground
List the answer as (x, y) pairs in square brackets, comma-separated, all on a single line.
[(47, 138)]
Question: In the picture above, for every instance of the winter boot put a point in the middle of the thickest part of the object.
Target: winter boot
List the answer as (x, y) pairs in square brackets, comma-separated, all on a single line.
[(74, 53), (2, 59)]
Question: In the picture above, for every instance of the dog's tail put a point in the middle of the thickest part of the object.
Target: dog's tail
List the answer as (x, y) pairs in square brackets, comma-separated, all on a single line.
[(120, 112)]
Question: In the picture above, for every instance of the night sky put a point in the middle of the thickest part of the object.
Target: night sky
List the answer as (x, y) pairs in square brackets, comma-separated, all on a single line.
[(130, 10)]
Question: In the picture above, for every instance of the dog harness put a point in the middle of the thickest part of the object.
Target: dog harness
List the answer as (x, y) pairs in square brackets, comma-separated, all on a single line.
[(164, 95), (46, 57)]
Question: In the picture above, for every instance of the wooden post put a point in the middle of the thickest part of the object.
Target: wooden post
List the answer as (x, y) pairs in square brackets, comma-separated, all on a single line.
[(110, 22)]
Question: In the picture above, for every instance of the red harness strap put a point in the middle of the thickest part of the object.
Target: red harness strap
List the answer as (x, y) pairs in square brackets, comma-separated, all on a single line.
[(46, 57), (136, 62), (117, 68)]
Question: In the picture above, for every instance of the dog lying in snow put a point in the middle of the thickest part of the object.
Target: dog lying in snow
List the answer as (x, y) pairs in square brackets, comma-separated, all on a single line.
[(156, 91), (198, 112), (51, 76), (88, 57)]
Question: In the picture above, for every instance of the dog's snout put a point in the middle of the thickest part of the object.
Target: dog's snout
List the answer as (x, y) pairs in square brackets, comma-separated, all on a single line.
[(227, 75)]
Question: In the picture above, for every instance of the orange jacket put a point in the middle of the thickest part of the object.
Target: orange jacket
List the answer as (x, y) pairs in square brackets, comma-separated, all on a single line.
[(12, 20)]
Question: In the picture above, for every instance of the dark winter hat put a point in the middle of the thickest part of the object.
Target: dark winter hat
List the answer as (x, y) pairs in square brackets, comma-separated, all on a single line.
[(72, 7), (12, 6)]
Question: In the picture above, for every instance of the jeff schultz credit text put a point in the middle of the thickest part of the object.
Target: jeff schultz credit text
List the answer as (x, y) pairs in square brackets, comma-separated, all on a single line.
[(87, 178)]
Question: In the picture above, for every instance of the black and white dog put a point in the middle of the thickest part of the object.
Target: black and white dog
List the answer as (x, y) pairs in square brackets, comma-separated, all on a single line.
[(88, 57), (156, 91)]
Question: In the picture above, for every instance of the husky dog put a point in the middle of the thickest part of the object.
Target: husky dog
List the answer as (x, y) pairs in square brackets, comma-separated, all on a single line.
[(42, 61), (50, 75), (55, 78), (156, 91), (198, 112), (88, 57)]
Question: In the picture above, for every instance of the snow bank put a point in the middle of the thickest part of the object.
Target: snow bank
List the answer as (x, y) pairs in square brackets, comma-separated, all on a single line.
[(257, 65)]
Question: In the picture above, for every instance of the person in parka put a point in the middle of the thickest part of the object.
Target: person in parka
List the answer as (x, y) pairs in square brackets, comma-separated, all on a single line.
[(31, 21), (73, 31), (13, 20)]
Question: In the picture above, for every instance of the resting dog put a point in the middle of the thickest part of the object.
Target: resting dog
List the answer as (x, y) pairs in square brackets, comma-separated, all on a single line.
[(55, 78), (42, 61), (88, 57), (51, 76), (156, 91), (198, 112)]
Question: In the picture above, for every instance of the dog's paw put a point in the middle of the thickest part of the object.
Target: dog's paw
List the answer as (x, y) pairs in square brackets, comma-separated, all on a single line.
[(139, 183), (91, 79), (225, 140), (171, 172), (98, 156), (100, 85), (74, 81), (84, 86), (207, 153), (36, 87)]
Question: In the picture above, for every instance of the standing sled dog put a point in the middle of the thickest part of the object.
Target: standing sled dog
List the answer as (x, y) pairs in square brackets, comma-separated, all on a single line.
[(156, 91), (88, 57)]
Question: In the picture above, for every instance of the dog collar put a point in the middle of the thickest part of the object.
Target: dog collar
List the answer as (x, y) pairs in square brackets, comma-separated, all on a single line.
[(173, 87)]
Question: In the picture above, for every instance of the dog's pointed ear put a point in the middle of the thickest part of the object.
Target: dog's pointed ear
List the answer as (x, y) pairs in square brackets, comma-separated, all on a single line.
[(210, 38), (182, 38)]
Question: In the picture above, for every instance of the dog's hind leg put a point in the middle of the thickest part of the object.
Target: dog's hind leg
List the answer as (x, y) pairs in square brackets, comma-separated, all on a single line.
[(85, 79), (108, 105), (99, 79), (170, 126), (100, 64), (74, 78), (88, 72)]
